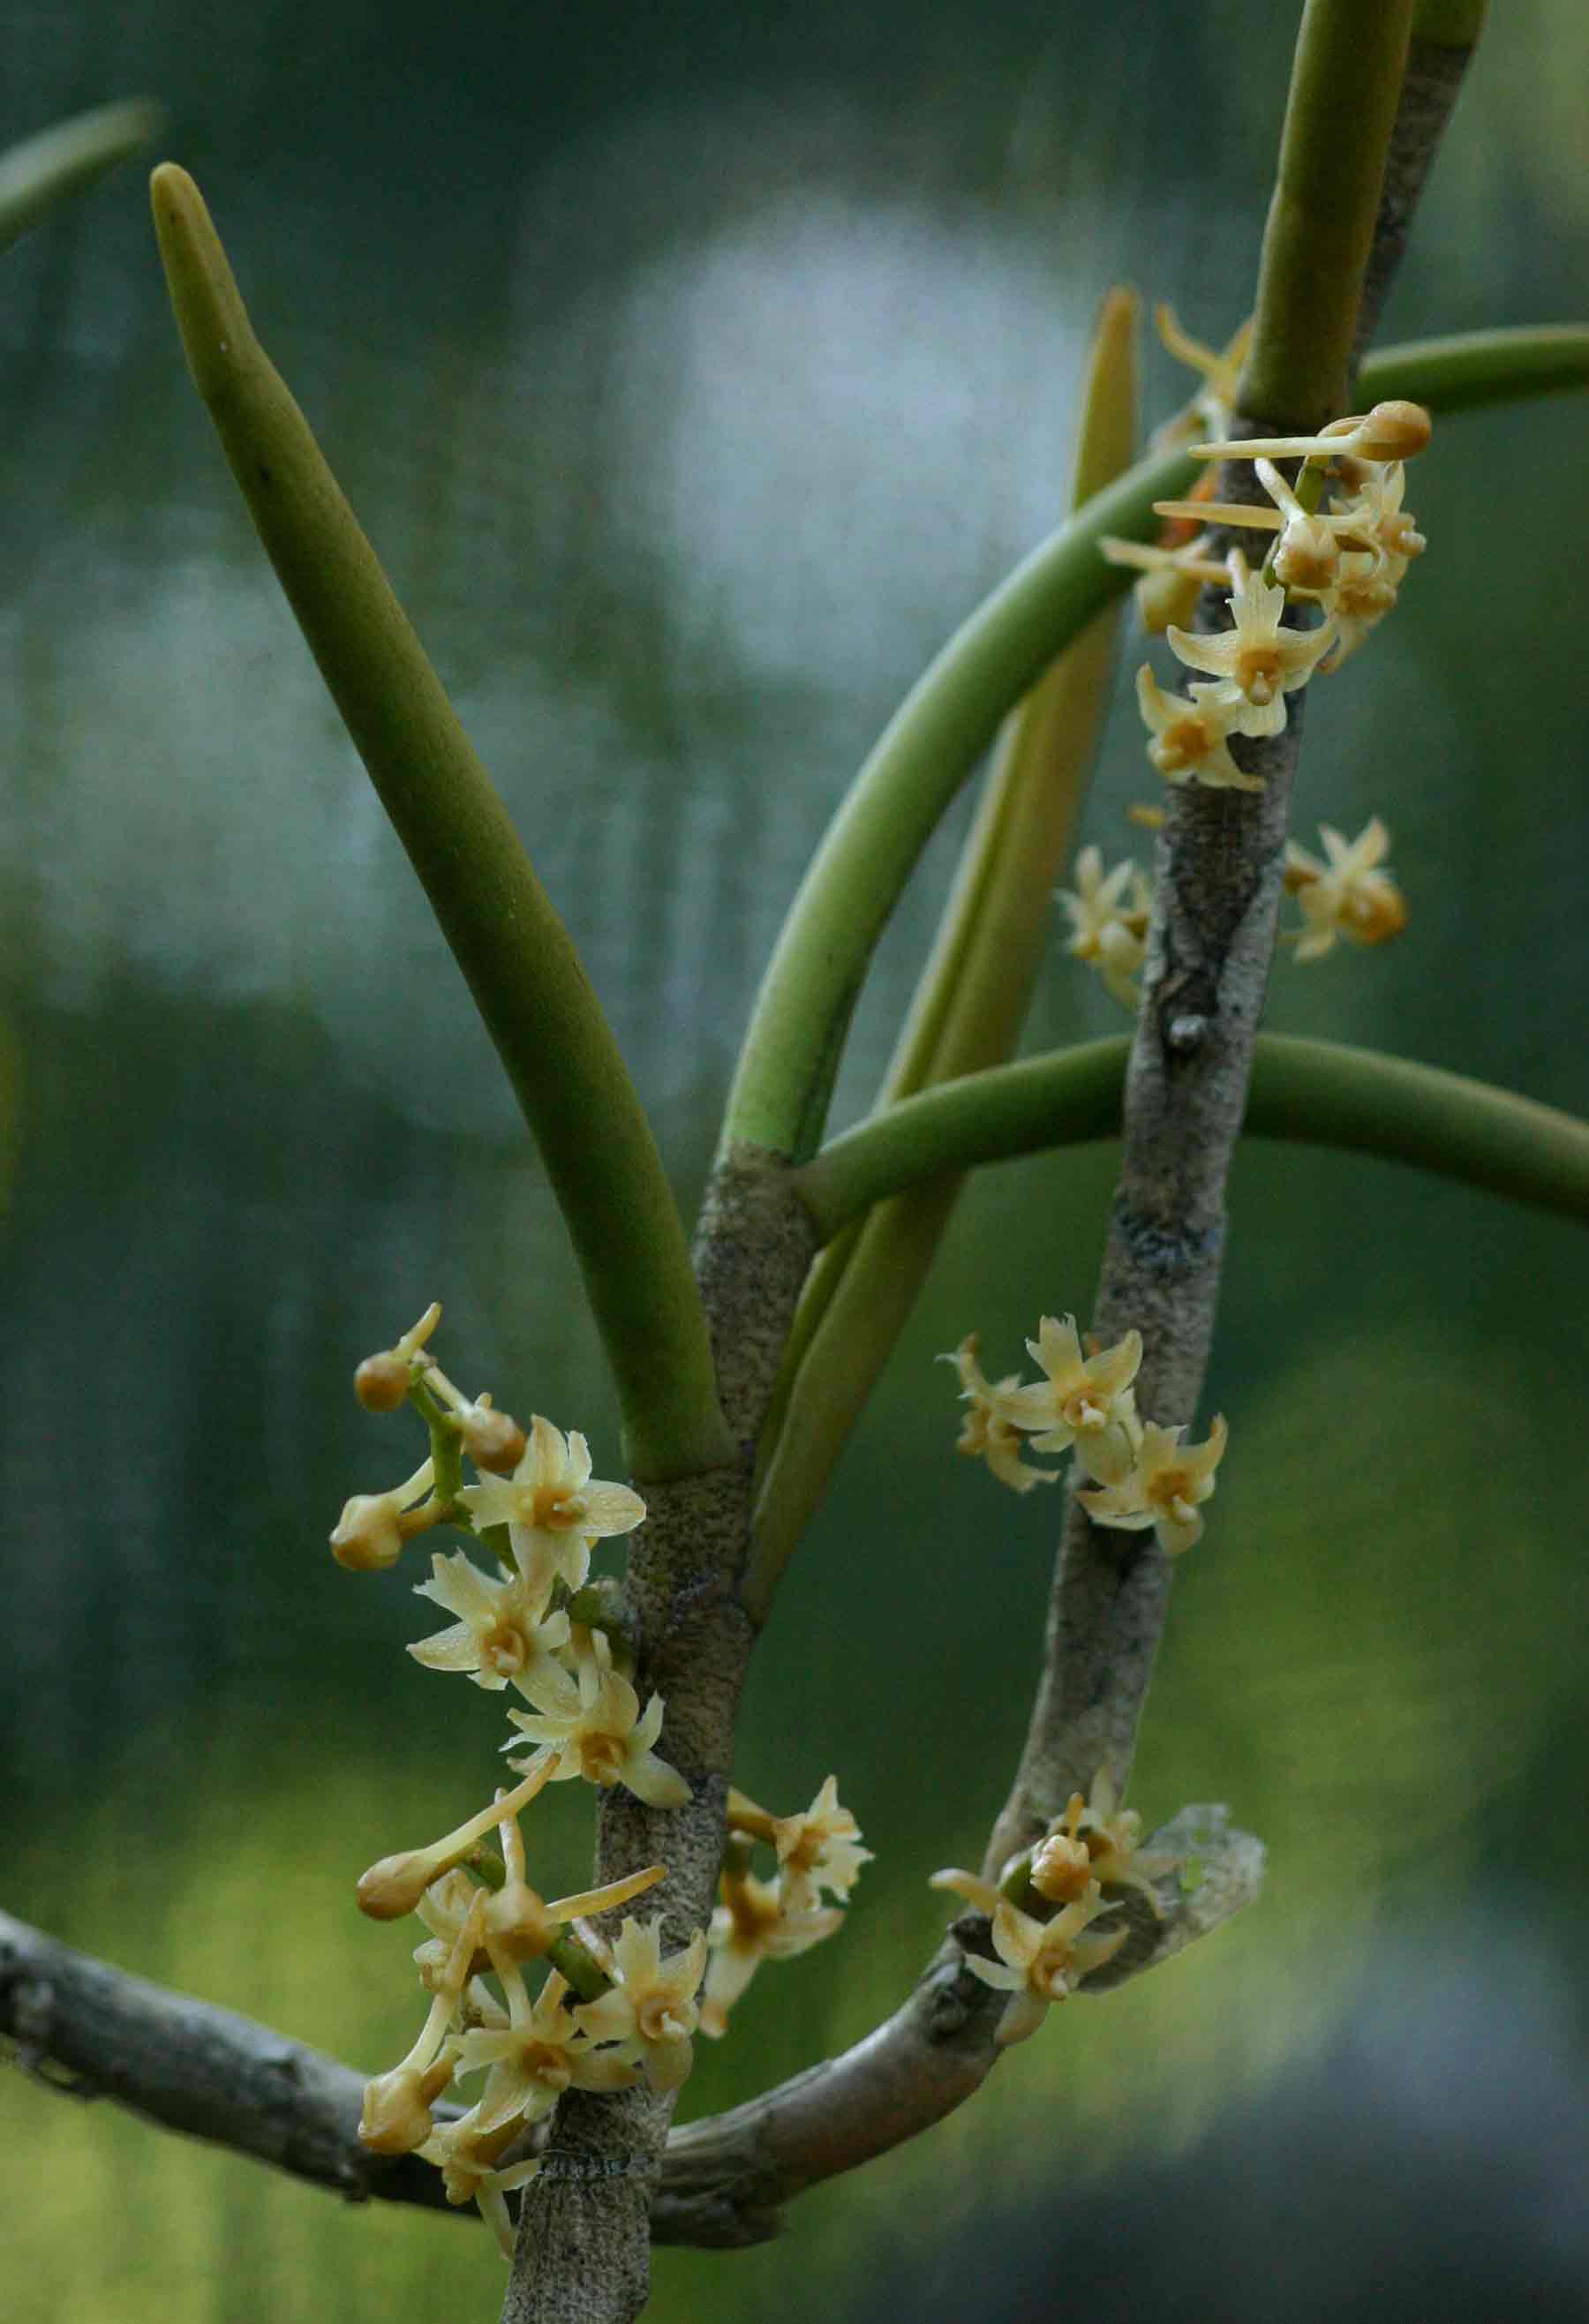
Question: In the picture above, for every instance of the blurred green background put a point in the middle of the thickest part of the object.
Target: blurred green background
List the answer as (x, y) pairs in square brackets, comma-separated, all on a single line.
[(694, 371)]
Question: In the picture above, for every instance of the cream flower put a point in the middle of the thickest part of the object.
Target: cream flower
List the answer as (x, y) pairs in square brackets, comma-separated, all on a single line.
[(1086, 1402), (989, 1434), (595, 1730), (465, 2158), (1095, 1839), (650, 2012), (1374, 514), (1164, 1487), (1258, 658), (499, 1634), (818, 1849), (552, 1511), (1364, 592), (751, 1925), (1189, 734), (1105, 928), (1039, 1961), (1349, 895), (533, 2055)]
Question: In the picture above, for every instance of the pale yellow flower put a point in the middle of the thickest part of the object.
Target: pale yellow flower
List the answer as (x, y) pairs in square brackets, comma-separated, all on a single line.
[(1108, 914), (650, 2012), (1164, 1487), (553, 1513), (1086, 1402), (818, 1849), (1095, 1839), (595, 1728), (751, 1925), (1374, 514), (1039, 1961), (1189, 733), (1259, 660), (989, 1434), (1364, 591), (500, 1633), (467, 2160), (532, 2053), (1348, 895)]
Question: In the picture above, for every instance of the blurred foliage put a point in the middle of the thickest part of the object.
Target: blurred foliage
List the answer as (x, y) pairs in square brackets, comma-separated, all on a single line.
[(694, 373)]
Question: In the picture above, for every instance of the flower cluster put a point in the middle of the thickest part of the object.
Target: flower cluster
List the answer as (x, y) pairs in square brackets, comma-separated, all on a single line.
[(773, 1919), (1350, 561), (638, 2018), (606, 2012), (1141, 1475), (1051, 1895)]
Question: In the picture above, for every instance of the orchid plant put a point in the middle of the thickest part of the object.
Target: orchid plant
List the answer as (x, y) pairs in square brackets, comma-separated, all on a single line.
[(1267, 531)]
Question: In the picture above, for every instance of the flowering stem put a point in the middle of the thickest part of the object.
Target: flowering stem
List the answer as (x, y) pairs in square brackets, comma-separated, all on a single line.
[(969, 1010), (1318, 1093), (1345, 82), (41, 171), (521, 964), (790, 1049)]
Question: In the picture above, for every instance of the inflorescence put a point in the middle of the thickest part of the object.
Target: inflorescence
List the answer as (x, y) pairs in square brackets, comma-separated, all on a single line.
[(1348, 561), (1142, 1477), (610, 2011)]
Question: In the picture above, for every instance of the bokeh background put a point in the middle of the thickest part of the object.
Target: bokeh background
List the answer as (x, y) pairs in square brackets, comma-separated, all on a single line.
[(694, 371)]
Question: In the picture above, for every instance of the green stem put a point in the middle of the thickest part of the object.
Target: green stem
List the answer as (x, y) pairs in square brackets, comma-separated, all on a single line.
[(517, 957), (779, 1094), (1345, 81), (1318, 1093), (42, 171)]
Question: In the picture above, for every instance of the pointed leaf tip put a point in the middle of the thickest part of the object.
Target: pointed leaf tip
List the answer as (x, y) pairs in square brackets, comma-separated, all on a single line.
[(217, 334)]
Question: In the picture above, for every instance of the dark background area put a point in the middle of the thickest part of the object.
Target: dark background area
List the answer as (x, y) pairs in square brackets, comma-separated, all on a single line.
[(695, 372)]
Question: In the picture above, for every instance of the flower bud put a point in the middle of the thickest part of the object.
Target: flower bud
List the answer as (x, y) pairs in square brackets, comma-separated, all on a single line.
[(1060, 1867), (395, 1885), (396, 2117), (368, 1535), (380, 1381), (1394, 430), (494, 1439)]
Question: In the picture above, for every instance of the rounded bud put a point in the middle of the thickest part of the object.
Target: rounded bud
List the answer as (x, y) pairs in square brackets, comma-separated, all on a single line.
[(494, 1439), (1395, 431), (380, 1381), (1060, 1867), (395, 1885), (368, 1536), (396, 2117)]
